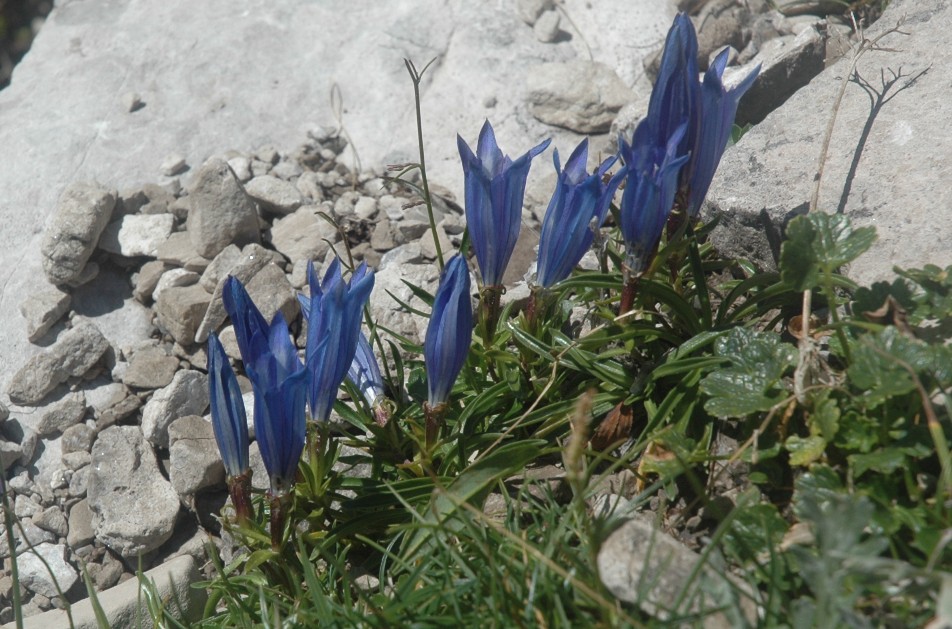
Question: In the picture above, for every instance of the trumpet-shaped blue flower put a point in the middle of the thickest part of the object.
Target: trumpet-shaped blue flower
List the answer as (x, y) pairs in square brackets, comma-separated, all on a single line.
[(280, 384), (675, 99), (718, 109), (333, 320), (708, 110), (279, 381), (364, 372), (649, 191), (495, 188), (449, 332), (578, 207), (228, 411)]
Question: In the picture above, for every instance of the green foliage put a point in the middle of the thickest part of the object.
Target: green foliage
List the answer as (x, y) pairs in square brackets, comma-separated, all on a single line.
[(819, 468)]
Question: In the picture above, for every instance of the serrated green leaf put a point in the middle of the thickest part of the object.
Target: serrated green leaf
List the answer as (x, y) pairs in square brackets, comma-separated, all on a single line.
[(753, 383), (754, 528), (878, 370), (884, 461), (820, 243), (804, 450)]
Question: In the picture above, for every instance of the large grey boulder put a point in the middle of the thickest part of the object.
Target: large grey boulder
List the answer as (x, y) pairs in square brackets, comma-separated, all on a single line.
[(134, 507), (889, 162)]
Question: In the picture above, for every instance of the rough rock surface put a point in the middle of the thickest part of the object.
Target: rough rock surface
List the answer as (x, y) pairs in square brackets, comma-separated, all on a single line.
[(35, 576), (194, 462), (640, 564), (73, 354), (583, 96), (887, 166), (220, 213), (186, 395), (83, 212), (134, 508)]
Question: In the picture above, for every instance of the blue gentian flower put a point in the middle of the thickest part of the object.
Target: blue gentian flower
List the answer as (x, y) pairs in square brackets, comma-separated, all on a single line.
[(364, 372), (675, 99), (494, 192), (228, 411), (449, 332), (333, 320), (244, 315), (577, 208), (649, 191), (280, 381), (718, 109)]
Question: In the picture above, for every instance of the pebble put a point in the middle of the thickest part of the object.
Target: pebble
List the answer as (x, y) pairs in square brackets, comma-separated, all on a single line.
[(83, 211), (546, 27), (43, 309), (72, 355), (187, 394), (151, 367), (220, 211), (275, 195), (194, 462), (180, 311), (173, 164)]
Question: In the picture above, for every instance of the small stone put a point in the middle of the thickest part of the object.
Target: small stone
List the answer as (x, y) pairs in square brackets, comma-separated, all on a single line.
[(132, 101), (220, 267), (62, 414), (52, 520), (74, 353), (151, 367), (546, 28), (186, 395), (241, 167), (108, 573), (137, 234), (179, 311), (275, 195), (253, 259), (80, 525), (134, 507), (428, 246), (642, 565), (119, 412), (147, 279), (530, 10), (42, 310), (26, 507), (412, 229), (173, 164), (287, 170), (4, 412), (10, 453), (365, 208), (76, 460), (77, 439), (308, 184), (173, 278), (83, 211), (79, 482), (382, 237), (304, 235), (268, 154), (35, 574), (221, 213), (344, 206), (194, 462), (178, 250), (582, 96)]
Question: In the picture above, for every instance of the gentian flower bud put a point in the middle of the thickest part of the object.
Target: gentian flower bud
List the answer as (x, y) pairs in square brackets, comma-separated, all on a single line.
[(449, 332), (230, 425), (578, 207), (334, 317), (494, 192), (675, 98)]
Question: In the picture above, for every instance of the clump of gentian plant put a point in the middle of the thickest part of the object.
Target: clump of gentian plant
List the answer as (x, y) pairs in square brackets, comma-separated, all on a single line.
[(847, 473)]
